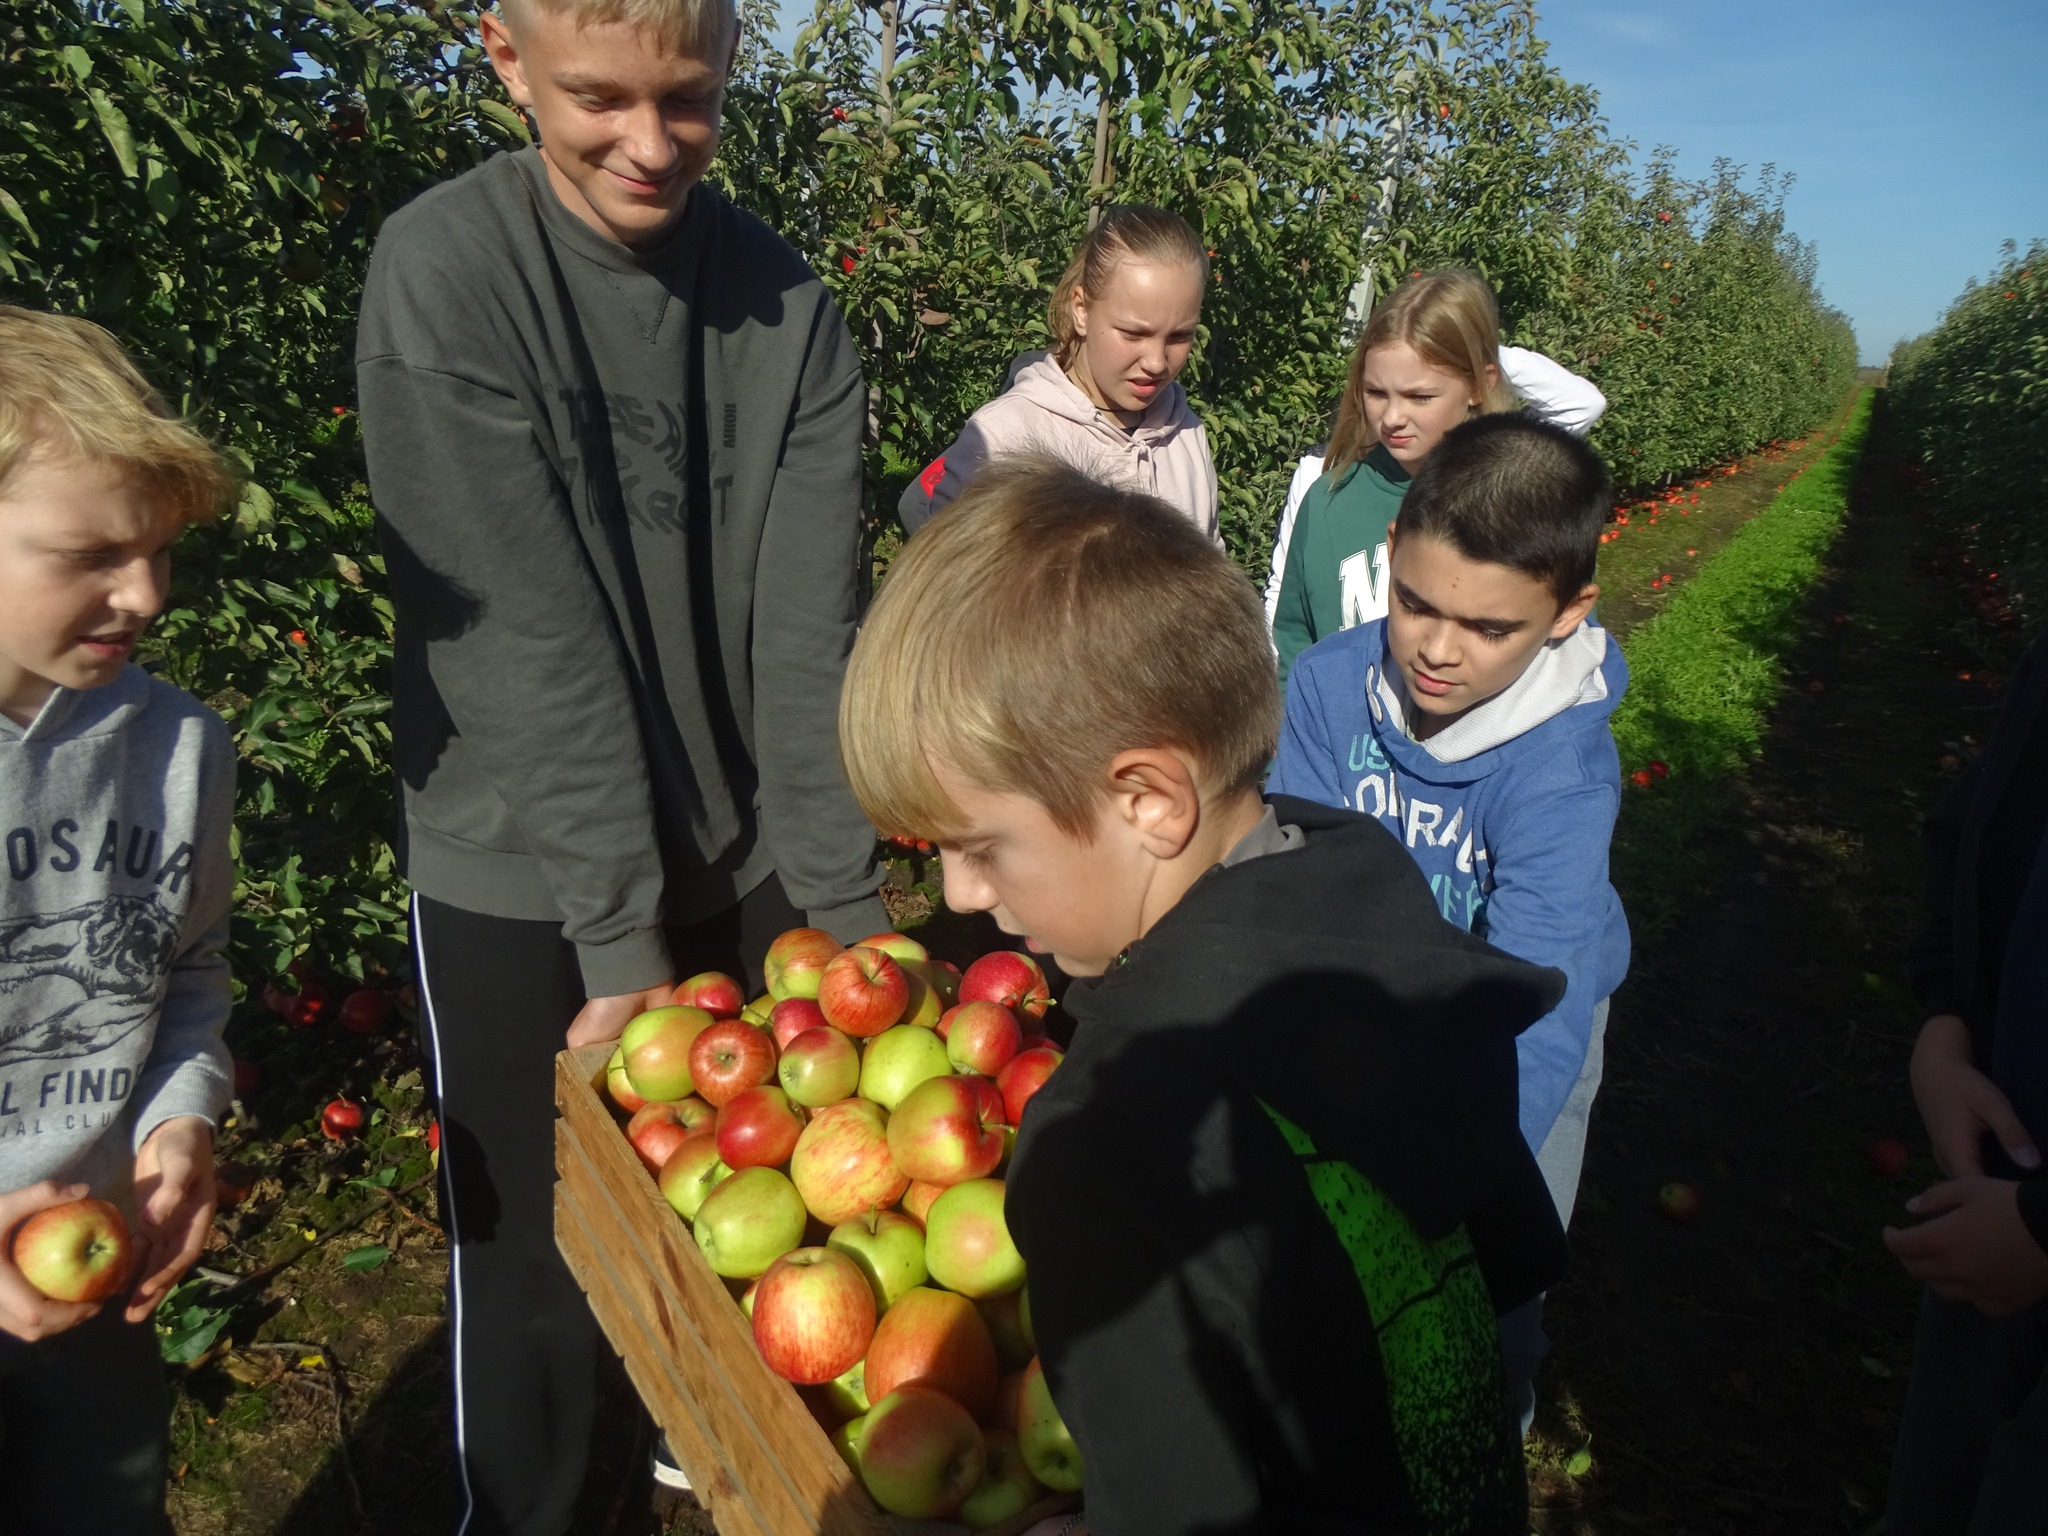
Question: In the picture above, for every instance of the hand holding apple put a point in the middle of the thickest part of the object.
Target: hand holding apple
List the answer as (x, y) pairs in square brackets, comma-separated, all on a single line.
[(25, 1311), (605, 1018), (174, 1196)]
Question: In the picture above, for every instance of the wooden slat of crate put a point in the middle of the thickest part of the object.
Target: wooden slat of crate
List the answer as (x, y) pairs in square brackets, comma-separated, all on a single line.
[(732, 1422)]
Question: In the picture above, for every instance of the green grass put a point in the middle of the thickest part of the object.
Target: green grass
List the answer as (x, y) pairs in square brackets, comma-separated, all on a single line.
[(1705, 673)]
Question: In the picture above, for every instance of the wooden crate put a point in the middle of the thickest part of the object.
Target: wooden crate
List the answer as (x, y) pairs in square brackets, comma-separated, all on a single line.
[(757, 1459)]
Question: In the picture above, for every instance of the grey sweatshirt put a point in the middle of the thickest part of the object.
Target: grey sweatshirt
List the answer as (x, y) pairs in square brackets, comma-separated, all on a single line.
[(115, 805), (619, 493)]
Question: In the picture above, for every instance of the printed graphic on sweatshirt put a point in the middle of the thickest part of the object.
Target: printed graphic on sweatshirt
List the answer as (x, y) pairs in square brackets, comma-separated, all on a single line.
[(647, 445), (1462, 890), (1362, 586), (76, 982)]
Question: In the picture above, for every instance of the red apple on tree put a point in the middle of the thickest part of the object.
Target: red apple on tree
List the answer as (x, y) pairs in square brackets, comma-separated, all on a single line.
[(819, 1067), (78, 1251), (655, 1048), (920, 1454), (967, 1243), (713, 991), (863, 991), (1023, 1077), (1009, 977), (796, 962), (728, 1058), (813, 1315), (948, 1130), (787, 1020), (758, 1128), (841, 1165), (889, 1248), (749, 1221), (981, 1037), (692, 1171), (935, 1339)]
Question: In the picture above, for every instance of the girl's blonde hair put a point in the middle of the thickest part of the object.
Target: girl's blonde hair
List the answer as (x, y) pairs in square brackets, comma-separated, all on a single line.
[(1128, 232), (1451, 320), (67, 388)]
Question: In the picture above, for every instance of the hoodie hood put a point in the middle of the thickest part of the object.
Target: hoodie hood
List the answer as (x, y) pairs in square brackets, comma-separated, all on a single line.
[(1585, 668), (1348, 1005), (75, 713), (1046, 385)]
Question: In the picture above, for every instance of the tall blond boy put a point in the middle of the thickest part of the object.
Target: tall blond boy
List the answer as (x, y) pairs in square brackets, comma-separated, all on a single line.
[(1272, 1199), (116, 792), (613, 426)]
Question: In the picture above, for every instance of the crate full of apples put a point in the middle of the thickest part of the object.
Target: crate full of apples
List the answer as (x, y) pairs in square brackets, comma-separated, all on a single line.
[(836, 1149)]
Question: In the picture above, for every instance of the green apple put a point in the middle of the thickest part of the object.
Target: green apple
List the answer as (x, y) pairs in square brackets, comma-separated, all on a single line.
[(846, 1441), (1007, 1487), (889, 1248), (749, 1221), (967, 1245), (847, 1393), (1024, 1318), (692, 1171), (1006, 1327), (897, 1060), (655, 1050), (1042, 1435)]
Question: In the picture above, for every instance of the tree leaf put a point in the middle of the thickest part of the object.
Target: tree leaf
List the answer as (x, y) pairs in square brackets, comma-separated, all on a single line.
[(367, 1257), (114, 124)]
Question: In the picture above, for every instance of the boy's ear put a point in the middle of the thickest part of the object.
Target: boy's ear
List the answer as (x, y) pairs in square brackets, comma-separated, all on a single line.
[(1153, 791), (503, 52), (1573, 613)]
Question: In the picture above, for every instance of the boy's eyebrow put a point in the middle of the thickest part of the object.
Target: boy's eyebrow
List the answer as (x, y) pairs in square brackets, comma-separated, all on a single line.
[(1507, 626)]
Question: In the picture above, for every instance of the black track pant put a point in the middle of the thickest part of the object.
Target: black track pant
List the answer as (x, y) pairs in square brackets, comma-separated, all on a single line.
[(84, 1430), (497, 995)]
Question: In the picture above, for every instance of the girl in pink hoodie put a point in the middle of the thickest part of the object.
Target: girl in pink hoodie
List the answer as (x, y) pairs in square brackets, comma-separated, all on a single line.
[(1104, 400)]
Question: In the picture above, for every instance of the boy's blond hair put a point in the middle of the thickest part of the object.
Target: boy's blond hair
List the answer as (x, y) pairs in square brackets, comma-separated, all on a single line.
[(67, 388), (1039, 626), (693, 28)]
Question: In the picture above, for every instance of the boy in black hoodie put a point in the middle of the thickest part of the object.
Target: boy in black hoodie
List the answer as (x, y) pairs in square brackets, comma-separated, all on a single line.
[(1275, 1195)]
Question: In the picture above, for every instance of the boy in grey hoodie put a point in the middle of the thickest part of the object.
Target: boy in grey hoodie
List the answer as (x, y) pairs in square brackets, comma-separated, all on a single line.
[(116, 792)]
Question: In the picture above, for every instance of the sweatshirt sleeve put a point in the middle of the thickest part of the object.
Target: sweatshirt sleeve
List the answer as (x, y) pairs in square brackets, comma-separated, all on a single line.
[(808, 578), (488, 570), (1305, 765), (188, 1070), (1293, 630), (1306, 473), (1550, 875), (940, 483), (1555, 394)]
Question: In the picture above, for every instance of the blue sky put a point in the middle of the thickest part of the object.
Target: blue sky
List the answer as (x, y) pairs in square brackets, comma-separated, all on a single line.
[(1918, 133)]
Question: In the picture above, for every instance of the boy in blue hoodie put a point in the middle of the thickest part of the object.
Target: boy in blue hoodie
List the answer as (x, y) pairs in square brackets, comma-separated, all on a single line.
[(1472, 721)]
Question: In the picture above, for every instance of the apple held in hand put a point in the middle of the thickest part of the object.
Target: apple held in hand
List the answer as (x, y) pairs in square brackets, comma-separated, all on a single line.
[(714, 992), (920, 1454), (981, 1037), (749, 1221), (692, 1171), (796, 962), (863, 991), (813, 1315), (655, 1047), (789, 1019), (819, 1067), (729, 1057), (967, 1245), (758, 1128), (656, 1134), (889, 1248), (841, 1165), (78, 1251), (948, 1130), (1023, 1077), (935, 1339), (1007, 1487), (1009, 977), (897, 1060), (1042, 1435)]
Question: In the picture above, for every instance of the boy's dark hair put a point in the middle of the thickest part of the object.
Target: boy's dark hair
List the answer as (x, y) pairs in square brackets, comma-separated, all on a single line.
[(1513, 491)]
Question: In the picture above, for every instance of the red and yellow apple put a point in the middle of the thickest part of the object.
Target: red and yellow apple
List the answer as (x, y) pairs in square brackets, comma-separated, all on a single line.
[(692, 1171), (841, 1165), (897, 1060), (1023, 1077), (1009, 977), (813, 1315), (948, 1130), (981, 1037), (787, 1020), (820, 1066), (920, 1454), (655, 1048), (729, 1057), (713, 991), (758, 1128), (77, 1251), (749, 1221), (967, 1244), (1007, 1487), (796, 962), (935, 1339), (863, 991)]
